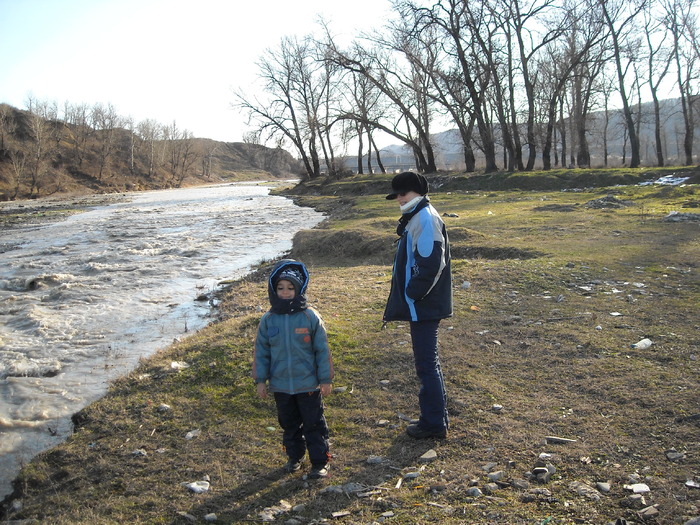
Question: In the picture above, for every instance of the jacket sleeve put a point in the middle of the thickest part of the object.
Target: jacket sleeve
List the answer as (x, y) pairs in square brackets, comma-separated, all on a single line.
[(428, 245), (262, 355), (322, 351)]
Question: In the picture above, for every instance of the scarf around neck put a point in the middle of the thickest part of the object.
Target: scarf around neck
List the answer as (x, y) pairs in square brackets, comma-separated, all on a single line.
[(412, 207), (287, 306)]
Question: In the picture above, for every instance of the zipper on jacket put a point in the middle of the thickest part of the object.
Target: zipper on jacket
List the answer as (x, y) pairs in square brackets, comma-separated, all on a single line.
[(288, 344)]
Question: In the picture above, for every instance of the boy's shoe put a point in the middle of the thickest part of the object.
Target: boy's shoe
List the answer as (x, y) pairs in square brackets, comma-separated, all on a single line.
[(415, 431), (318, 471), (292, 465)]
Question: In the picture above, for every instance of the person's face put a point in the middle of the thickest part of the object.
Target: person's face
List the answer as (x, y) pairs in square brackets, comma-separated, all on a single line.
[(285, 289), (403, 198)]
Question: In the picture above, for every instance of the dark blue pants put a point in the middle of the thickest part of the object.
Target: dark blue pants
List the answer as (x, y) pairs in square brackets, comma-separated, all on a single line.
[(304, 425), (431, 397)]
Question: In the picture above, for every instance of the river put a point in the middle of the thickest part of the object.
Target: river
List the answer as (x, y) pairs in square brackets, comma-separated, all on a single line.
[(84, 298)]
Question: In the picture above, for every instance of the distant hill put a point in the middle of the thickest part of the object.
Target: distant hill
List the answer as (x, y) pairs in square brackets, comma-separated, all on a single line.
[(40, 157)]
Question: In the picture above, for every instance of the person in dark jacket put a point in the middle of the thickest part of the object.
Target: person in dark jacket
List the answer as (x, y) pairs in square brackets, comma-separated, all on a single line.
[(421, 293), (293, 356)]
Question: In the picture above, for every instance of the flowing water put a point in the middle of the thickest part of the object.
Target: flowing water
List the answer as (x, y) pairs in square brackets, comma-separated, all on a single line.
[(81, 300)]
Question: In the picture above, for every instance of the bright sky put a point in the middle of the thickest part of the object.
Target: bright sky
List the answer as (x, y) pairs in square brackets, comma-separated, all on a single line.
[(167, 60)]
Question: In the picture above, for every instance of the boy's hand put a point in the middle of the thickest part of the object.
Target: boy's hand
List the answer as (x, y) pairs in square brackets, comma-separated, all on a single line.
[(262, 389), (326, 389)]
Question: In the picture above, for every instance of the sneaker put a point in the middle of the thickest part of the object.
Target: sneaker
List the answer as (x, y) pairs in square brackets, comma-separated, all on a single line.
[(417, 432), (292, 466), (318, 471)]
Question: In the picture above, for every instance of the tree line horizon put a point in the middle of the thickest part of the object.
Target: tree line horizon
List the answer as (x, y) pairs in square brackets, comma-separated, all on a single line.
[(518, 82), (517, 79)]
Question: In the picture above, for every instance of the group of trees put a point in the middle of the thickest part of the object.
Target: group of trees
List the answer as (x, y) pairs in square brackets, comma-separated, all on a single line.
[(518, 79), (45, 148)]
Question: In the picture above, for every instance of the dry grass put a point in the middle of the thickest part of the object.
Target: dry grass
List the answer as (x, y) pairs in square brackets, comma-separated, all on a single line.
[(533, 332)]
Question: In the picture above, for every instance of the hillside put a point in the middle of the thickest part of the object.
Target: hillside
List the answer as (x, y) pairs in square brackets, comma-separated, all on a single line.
[(40, 157)]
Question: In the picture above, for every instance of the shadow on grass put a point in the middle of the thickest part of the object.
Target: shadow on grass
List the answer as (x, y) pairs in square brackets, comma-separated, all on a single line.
[(272, 490)]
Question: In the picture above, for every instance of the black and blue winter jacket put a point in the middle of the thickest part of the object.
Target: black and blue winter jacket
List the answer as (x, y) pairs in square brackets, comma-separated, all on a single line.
[(421, 285)]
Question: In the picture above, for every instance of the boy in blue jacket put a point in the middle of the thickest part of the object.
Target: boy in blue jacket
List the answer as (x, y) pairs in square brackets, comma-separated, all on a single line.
[(293, 356)]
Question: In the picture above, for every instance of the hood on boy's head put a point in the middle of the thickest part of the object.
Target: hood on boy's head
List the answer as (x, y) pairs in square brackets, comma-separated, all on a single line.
[(294, 272), (291, 274), (291, 270)]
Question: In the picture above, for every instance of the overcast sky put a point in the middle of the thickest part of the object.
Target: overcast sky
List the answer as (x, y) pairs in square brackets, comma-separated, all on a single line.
[(167, 60)]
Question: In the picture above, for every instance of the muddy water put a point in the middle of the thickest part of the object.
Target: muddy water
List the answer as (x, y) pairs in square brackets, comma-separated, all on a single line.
[(81, 300)]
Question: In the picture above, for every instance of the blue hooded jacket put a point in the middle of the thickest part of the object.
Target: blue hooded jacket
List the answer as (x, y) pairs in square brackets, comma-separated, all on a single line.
[(291, 346)]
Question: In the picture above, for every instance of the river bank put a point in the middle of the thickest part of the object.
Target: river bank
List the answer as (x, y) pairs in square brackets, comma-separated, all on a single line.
[(550, 292), (84, 297), (17, 213)]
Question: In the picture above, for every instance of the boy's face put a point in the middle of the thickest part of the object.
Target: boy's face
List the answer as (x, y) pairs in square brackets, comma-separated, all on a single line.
[(285, 289), (403, 198)]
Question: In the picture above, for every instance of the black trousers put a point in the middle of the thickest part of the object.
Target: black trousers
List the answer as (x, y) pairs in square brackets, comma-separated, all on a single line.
[(304, 424)]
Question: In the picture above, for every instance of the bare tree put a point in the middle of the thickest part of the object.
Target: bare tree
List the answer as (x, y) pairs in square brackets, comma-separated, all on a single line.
[(461, 25), (78, 129), (150, 132), (619, 16), (105, 121), (295, 90), (682, 24), (14, 149), (361, 96), (390, 67), (8, 125), (42, 116), (182, 153), (658, 64), (556, 69), (533, 25)]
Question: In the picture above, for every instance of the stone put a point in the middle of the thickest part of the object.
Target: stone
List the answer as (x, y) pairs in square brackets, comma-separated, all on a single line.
[(583, 489), (649, 512), (474, 492), (638, 488), (489, 466), (673, 455), (520, 484), (633, 501), (603, 487), (429, 456), (490, 488), (496, 476)]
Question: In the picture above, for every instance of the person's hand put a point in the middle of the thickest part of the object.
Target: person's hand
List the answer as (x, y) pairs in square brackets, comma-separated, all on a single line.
[(262, 390), (326, 389)]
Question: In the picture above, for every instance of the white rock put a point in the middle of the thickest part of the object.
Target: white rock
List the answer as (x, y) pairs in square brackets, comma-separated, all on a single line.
[(429, 456), (638, 488), (193, 434), (641, 345), (198, 487)]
